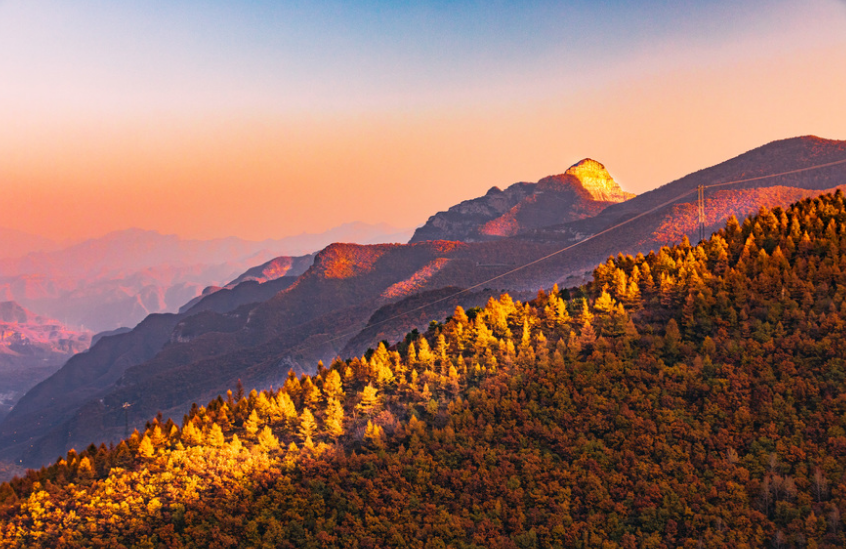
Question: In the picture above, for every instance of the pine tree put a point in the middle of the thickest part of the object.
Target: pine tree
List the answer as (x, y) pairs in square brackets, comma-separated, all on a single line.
[(374, 434), (145, 449), (267, 440), (369, 401), (307, 424), (251, 426), (287, 409), (332, 386), (215, 436), (380, 362), (334, 420), (190, 434)]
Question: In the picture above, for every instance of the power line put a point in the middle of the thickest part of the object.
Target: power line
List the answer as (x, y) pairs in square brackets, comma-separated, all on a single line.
[(700, 189)]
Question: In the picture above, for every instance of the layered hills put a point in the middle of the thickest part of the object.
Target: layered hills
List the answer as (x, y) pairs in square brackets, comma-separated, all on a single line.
[(583, 191), (353, 296), (18, 243), (32, 347), (691, 397), (117, 280)]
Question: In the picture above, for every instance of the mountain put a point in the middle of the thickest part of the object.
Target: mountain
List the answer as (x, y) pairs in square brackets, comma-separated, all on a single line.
[(17, 243), (172, 361), (119, 279), (584, 190), (31, 349), (689, 398), (169, 361), (87, 375), (357, 232), (669, 212)]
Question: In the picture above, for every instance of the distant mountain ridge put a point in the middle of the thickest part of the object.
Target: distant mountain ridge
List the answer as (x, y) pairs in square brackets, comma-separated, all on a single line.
[(584, 190), (32, 347), (15, 243), (118, 279)]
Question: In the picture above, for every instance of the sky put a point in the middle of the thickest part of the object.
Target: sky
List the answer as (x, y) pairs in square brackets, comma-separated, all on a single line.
[(264, 119)]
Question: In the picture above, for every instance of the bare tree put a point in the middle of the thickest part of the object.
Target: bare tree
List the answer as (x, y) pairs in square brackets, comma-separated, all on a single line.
[(820, 485)]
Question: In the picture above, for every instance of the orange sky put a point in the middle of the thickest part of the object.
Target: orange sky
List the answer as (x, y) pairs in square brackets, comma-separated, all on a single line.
[(259, 171)]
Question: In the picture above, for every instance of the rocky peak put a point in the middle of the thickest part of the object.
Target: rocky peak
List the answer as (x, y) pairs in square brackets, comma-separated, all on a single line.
[(13, 313), (597, 181)]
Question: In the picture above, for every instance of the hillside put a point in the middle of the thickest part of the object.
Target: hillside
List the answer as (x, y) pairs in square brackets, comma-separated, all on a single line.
[(32, 348), (84, 377), (689, 398), (583, 191), (17, 243), (326, 312), (195, 356), (118, 279)]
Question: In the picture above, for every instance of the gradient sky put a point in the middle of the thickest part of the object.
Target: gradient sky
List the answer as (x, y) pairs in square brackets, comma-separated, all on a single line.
[(265, 119)]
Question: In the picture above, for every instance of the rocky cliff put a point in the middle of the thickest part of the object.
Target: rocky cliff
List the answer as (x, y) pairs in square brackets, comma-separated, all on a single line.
[(583, 191)]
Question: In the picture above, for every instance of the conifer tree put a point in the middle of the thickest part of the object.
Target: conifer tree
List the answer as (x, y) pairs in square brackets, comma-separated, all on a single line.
[(332, 386), (287, 409), (334, 420), (145, 449), (215, 436), (251, 426), (374, 434), (267, 440), (369, 401), (307, 424)]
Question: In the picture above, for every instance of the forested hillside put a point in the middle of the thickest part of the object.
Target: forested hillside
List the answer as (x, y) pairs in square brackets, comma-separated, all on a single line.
[(695, 397)]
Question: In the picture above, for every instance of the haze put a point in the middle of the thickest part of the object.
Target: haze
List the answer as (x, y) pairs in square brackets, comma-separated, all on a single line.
[(261, 120)]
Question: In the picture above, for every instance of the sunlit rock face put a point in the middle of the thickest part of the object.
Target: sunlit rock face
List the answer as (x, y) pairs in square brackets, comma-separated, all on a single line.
[(597, 181), (584, 190)]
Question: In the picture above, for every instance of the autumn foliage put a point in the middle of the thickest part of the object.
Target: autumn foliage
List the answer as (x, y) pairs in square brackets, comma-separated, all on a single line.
[(695, 397)]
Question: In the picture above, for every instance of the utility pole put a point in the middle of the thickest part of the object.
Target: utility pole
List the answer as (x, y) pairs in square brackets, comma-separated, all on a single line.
[(701, 190), (126, 406)]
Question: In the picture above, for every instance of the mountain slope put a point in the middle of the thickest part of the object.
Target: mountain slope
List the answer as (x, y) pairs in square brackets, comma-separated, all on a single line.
[(333, 302), (785, 155), (17, 243), (693, 397), (86, 377), (119, 279), (582, 191), (32, 347), (187, 359)]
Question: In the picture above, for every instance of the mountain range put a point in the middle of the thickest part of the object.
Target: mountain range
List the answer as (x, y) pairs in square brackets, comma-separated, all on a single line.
[(692, 397), (118, 279), (32, 347), (352, 296), (583, 191)]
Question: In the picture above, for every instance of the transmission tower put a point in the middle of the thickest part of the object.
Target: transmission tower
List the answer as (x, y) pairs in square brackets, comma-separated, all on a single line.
[(701, 190), (126, 406)]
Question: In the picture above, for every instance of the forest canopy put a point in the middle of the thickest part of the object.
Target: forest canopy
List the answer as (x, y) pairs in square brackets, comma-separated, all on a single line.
[(693, 397)]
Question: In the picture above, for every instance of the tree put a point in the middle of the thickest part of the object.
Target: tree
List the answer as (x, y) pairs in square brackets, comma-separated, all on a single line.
[(287, 409), (332, 386), (369, 401), (267, 440), (380, 362), (190, 434), (334, 421), (145, 449), (215, 436), (307, 424), (374, 434), (251, 426)]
